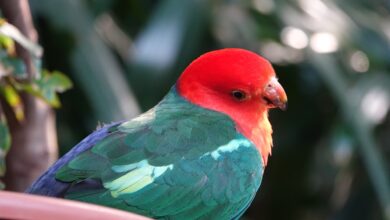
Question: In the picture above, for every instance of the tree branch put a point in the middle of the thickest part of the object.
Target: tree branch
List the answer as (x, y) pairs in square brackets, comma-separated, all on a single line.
[(34, 141)]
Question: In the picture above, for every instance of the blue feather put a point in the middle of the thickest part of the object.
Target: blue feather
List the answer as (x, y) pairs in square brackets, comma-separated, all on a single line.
[(47, 184)]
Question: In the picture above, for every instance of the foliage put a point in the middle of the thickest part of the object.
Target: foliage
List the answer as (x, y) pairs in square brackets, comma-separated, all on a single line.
[(46, 87), (14, 81)]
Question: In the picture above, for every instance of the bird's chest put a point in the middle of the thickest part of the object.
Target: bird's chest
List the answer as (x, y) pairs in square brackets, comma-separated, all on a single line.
[(233, 171), (239, 156)]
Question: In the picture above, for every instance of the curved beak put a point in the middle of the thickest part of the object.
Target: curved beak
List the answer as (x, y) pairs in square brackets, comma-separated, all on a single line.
[(274, 95)]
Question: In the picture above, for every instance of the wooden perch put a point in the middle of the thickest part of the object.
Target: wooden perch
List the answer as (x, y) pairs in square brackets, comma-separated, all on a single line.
[(30, 207)]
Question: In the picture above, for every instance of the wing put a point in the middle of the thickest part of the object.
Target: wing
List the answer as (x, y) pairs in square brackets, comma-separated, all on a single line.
[(47, 184), (176, 188)]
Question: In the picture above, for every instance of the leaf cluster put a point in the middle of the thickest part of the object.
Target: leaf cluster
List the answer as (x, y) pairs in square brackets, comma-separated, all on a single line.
[(15, 80)]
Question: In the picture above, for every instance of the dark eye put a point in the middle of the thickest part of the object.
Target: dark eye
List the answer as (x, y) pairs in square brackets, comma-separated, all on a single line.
[(238, 95)]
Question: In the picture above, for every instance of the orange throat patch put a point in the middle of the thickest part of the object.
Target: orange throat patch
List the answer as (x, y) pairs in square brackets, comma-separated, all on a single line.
[(260, 133)]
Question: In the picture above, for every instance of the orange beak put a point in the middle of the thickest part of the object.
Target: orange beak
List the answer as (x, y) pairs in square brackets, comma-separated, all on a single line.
[(274, 95)]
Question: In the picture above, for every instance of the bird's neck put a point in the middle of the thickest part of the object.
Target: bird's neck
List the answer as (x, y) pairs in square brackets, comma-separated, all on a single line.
[(256, 127), (259, 131)]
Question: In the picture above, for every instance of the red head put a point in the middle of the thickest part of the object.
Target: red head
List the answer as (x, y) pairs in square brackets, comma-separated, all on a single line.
[(240, 84)]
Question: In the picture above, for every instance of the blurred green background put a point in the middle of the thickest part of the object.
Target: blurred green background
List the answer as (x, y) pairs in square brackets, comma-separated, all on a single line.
[(331, 155)]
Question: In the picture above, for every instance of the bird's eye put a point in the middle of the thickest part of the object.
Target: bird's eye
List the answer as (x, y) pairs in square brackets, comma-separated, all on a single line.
[(238, 95)]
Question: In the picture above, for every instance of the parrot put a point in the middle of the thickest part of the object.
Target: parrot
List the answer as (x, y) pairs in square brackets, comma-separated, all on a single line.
[(200, 153)]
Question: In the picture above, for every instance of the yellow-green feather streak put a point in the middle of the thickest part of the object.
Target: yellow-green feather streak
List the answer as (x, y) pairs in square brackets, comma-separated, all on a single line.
[(141, 174)]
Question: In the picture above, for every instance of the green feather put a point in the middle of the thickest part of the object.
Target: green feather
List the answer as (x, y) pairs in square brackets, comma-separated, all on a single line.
[(176, 161)]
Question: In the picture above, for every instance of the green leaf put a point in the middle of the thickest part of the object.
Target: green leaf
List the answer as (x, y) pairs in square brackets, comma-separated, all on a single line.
[(8, 44), (56, 81), (5, 143), (12, 97), (47, 87), (50, 84), (15, 65)]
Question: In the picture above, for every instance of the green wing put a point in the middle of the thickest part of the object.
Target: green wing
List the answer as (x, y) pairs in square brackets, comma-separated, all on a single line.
[(175, 161)]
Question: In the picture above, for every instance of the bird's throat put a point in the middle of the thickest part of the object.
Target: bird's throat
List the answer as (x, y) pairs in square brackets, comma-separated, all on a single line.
[(259, 131)]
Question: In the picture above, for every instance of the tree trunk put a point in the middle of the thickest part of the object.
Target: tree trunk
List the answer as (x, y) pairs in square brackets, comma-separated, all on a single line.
[(34, 141)]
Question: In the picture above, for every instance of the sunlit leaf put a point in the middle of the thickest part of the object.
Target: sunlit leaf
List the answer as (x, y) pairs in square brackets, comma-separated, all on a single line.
[(12, 32), (13, 99), (8, 44)]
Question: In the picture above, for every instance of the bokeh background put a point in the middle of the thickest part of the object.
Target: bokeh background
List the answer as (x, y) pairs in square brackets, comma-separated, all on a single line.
[(331, 155)]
